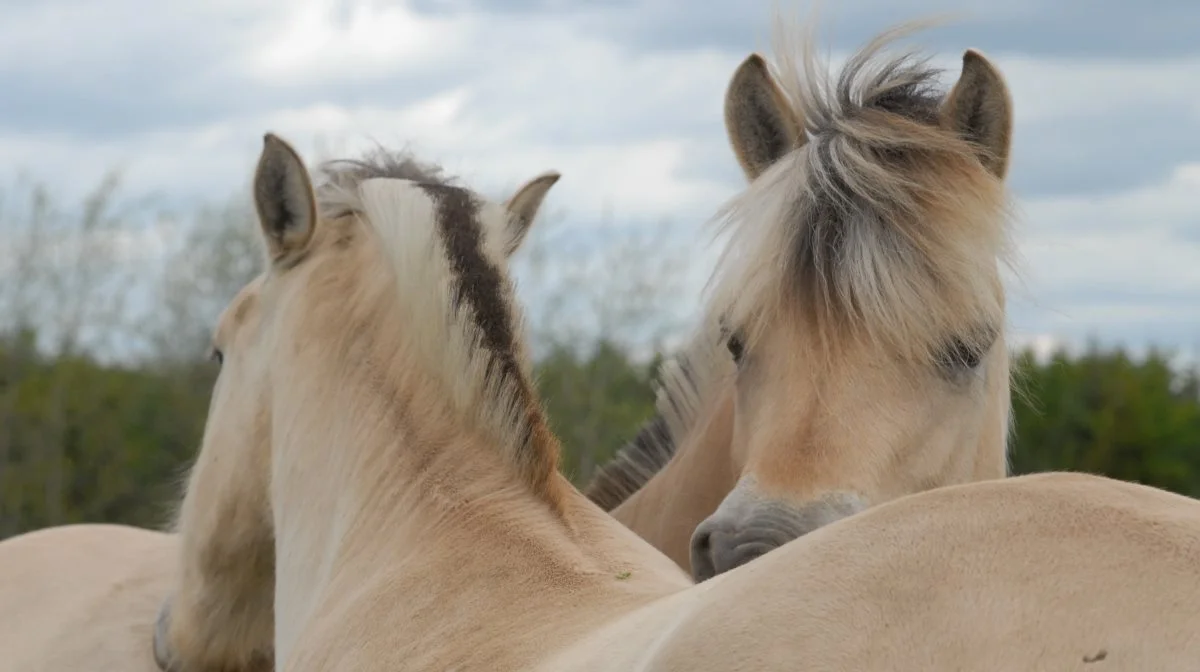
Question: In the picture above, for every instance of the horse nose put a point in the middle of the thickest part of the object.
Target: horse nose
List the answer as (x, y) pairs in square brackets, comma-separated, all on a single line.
[(718, 546)]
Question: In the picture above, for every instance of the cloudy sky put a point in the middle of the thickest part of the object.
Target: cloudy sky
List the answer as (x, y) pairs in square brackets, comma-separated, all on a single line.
[(624, 98)]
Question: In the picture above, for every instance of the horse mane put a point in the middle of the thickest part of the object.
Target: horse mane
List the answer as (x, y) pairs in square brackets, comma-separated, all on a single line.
[(633, 465), (885, 227), (684, 384), (338, 179), (445, 245)]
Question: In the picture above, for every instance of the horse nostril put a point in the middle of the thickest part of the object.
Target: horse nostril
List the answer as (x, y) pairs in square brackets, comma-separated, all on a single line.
[(701, 552), (719, 548)]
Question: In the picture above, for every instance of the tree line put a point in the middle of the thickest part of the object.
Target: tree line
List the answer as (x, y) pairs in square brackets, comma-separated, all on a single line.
[(93, 433), (86, 441)]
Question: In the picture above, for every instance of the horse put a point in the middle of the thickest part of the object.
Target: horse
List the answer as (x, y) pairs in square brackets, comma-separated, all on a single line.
[(86, 596), (852, 348), (375, 426)]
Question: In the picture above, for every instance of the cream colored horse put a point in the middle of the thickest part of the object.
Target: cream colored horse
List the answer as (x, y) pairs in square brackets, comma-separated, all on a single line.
[(375, 420), (86, 597), (854, 347), (82, 598)]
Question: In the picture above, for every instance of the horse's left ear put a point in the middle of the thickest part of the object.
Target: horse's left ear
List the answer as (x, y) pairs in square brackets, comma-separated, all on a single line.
[(979, 108), (523, 207), (283, 197)]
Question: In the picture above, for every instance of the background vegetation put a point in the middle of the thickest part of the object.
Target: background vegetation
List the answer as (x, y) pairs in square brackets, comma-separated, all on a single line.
[(105, 311)]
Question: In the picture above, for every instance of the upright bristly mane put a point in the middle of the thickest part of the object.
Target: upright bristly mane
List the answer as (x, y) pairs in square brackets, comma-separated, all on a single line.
[(446, 247), (885, 227), (683, 396)]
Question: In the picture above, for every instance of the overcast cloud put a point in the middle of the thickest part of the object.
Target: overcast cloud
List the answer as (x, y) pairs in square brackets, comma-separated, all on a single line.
[(624, 98)]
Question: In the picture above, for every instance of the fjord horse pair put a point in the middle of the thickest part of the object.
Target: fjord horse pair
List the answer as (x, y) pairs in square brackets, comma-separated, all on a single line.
[(377, 487)]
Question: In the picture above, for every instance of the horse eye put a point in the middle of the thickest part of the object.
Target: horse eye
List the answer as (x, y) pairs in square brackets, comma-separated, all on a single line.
[(217, 356), (961, 355), (736, 347)]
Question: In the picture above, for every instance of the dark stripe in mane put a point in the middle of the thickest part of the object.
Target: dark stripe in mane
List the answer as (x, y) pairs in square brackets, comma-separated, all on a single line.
[(479, 281), (340, 176), (479, 287), (633, 465), (480, 303)]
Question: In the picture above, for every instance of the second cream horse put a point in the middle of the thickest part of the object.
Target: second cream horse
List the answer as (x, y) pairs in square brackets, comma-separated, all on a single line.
[(853, 348)]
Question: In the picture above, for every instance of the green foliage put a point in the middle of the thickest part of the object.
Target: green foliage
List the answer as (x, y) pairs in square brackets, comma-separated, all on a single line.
[(82, 441), (1104, 413), (595, 403)]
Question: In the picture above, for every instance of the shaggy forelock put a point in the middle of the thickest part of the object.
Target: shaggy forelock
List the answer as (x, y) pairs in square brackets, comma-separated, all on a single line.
[(885, 226)]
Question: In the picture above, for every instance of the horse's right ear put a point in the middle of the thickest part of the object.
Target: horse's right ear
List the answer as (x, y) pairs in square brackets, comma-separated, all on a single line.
[(283, 197), (523, 207), (762, 125)]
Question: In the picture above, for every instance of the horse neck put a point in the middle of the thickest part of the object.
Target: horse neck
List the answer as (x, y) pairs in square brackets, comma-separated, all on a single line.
[(689, 488), (404, 505)]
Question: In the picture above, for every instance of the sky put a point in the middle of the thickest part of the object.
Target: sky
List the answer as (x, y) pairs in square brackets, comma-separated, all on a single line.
[(624, 98)]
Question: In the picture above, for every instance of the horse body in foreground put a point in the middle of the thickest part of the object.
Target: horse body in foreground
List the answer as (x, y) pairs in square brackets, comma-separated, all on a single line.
[(1032, 573), (852, 349), (78, 598), (376, 414)]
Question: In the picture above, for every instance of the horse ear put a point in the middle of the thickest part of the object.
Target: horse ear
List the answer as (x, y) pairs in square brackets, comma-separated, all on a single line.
[(523, 207), (979, 108), (283, 197), (761, 124)]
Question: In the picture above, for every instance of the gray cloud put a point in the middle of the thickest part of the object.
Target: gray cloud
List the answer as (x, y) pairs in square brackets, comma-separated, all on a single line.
[(1168, 322), (118, 104), (1073, 155), (169, 69), (1086, 139), (1092, 28), (1094, 155), (1191, 234)]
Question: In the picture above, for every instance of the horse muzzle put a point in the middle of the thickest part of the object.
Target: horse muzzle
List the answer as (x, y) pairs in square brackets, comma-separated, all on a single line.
[(746, 527)]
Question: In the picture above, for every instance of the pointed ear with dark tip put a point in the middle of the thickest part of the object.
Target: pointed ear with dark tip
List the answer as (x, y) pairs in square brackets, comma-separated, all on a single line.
[(979, 107), (283, 197), (762, 125), (523, 207)]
